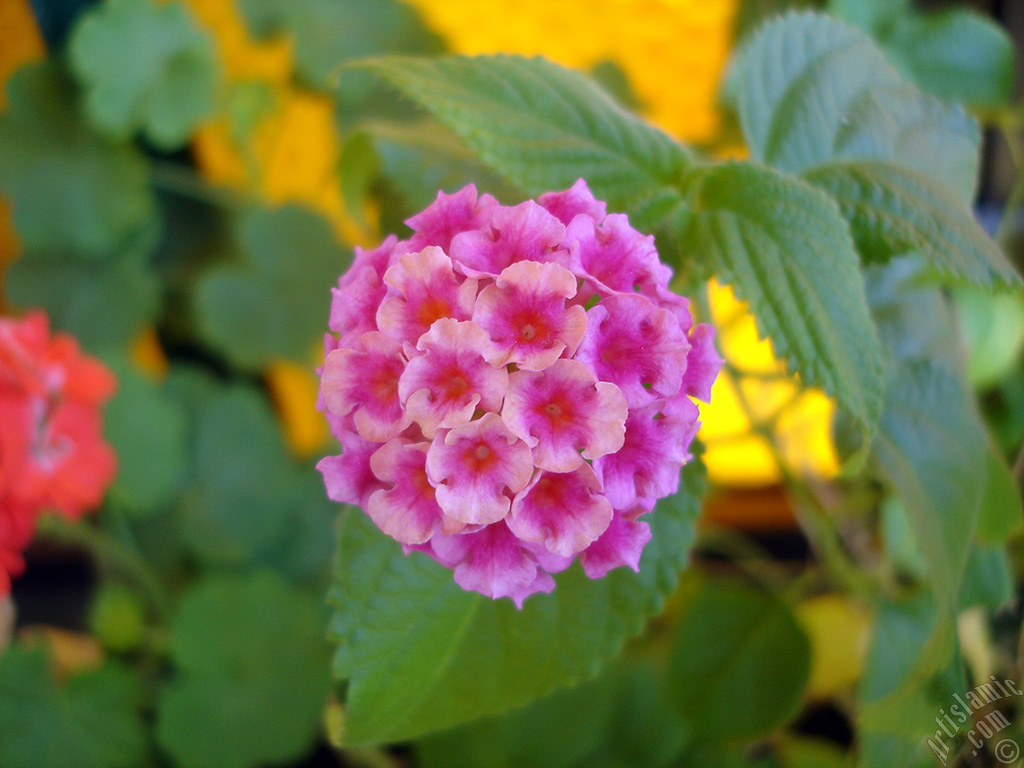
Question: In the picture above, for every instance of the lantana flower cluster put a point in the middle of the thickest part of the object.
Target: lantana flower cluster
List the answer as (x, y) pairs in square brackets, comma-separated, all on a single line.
[(511, 388), (52, 454)]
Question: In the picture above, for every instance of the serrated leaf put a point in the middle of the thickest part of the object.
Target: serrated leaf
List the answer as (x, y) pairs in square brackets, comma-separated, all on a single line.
[(421, 654), (785, 248), (744, 652), (244, 646), (893, 210), (260, 306), (72, 191), (146, 67), (956, 54), (931, 447), (811, 90), (94, 720), (544, 127)]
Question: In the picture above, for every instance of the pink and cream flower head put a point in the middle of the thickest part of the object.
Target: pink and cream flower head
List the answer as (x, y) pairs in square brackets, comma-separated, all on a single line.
[(511, 388)]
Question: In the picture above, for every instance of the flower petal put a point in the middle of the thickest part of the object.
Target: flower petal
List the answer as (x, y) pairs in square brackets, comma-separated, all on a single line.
[(407, 509), (363, 381), (621, 544), (525, 232)]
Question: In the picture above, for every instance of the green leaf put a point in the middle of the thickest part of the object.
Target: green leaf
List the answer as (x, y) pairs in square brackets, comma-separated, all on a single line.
[(327, 33), (544, 127), (248, 503), (1001, 514), (71, 189), (931, 447), (146, 66), (421, 157), (252, 675), (869, 15), (988, 579), (622, 718), (421, 654), (894, 210), (785, 248), (811, 90), (897, 706), (740, 660), (956, 54), (104, 304), (93, 721), (147, 431), (274, 301)]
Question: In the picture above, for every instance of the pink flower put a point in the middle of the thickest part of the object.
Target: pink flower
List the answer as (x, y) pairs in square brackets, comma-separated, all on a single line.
[(52, 453), (511, 388)]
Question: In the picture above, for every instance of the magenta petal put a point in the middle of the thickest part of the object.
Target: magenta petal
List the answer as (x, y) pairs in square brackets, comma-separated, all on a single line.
[(637, 346), (525, 232), (360, 290), (407, 510), (423, 288), (476, 468), (577, 200), (563, 511), (450, 215), (348, 477), (702, 363), (524, 314), (614, 256), (564, 411), (364, 382), (491, 561), (444, 386), (657, 443), (622, 544)]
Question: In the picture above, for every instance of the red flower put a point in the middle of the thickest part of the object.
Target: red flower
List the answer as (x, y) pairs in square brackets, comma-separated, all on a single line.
[(52, 453)]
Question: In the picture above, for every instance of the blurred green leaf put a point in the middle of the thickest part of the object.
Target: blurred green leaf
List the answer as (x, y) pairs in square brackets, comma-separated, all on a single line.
[(956, 54), (72, 190), (421, 654), (252, 675), (784, 247), (103, 303), (147, 67), (987, 578), (92, 722), (869, 15), (993, 329), (894, 210), (273, 301), (117, 617), (249, 503), (740, 660), (1002, 512), (811, 90), (327, 33), (147, 431)]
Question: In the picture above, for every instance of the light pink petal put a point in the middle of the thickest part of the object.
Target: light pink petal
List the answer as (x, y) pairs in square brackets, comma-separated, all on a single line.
[(702, 363), (349, 478), (524, 314), (491, 561), (423, 288), (637, 346), (577, 200), (563, 511), (563, 411), (476, 468), (525, 232), (614, 256), (444, 386), (363, 382), (622, 544), (406, 508), (657, 444), (450, 215)]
